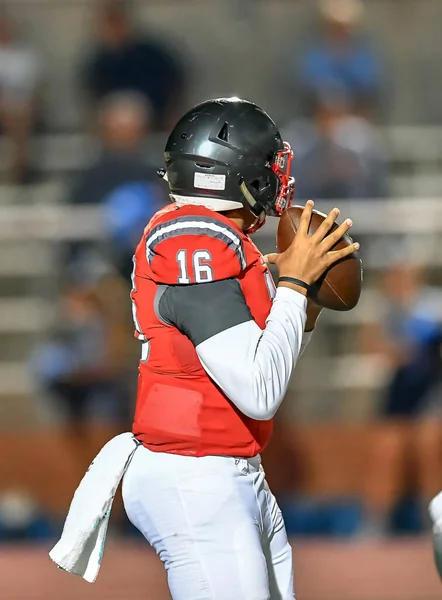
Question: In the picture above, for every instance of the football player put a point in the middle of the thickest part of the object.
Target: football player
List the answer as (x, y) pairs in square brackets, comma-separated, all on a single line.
[(219, 343)]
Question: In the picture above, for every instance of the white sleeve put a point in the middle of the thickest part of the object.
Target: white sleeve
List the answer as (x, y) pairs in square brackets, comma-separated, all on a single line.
[(253, 366), (306, 337)]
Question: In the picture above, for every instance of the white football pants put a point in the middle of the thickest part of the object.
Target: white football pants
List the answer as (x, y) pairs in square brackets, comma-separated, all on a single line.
[(214, 524)]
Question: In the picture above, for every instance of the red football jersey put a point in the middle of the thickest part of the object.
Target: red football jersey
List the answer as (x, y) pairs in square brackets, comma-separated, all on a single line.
[(179, 408)]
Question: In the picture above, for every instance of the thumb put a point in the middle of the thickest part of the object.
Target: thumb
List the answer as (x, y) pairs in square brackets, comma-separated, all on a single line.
[(271, 259)]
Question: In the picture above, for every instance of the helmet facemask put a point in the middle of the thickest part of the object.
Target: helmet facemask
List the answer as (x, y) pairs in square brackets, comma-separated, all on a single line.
[(281, 197), (281, 167)]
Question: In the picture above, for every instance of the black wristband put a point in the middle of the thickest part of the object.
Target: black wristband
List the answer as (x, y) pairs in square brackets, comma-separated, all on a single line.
[(295, 282)]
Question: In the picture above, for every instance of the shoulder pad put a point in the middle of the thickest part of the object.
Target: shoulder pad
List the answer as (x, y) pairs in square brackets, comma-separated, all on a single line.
[(194, 248)]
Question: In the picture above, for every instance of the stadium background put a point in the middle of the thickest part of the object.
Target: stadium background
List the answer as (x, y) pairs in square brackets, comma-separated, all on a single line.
[(357, 453)]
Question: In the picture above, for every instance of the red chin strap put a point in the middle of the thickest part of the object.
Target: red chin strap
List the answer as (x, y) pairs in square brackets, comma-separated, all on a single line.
[(281, 167)]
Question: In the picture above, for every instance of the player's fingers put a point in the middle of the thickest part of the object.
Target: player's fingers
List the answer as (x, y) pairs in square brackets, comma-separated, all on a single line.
[(304, 220), (326, 224), (334, 237), (270, 259), (335, 256)]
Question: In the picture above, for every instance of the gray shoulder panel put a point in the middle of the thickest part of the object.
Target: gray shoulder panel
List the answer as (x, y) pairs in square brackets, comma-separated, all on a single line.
[(203, 310)]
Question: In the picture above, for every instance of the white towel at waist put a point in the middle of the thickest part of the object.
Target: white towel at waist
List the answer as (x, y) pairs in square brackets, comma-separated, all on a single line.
[(80, 548)]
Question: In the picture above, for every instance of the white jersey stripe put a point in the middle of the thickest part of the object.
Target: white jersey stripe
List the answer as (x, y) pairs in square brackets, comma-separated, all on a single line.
[(195, 227)]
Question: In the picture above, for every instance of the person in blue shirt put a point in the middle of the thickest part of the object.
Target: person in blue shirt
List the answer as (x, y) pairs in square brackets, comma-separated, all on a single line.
[(406, 333), (342, 56)]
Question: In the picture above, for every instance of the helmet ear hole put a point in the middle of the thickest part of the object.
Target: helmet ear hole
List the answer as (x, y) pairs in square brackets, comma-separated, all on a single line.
[(223, 134), (260, 184)]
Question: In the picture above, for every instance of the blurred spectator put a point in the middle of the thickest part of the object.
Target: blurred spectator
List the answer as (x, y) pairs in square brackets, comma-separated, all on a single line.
[(409, 335), (342, 56), (20, 73), (121, 179), (407, 441), (127, 61), (123, 124), (337, 155), (21, 518), (85, 365)]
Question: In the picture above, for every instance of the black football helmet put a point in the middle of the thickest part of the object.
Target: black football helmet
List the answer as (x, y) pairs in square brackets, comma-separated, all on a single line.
[(228, 153)]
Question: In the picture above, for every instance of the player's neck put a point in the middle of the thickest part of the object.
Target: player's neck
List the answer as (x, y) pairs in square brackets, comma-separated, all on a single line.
[(241, 217)]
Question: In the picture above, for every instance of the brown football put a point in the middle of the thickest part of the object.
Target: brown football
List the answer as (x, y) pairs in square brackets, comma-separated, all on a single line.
[(340, 286)]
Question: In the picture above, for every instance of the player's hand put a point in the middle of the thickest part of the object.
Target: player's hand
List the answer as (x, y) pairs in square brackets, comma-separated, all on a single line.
[(309, 256)]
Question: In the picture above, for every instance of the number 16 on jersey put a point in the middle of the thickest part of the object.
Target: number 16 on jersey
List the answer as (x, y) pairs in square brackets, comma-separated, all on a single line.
[(200, 269)]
